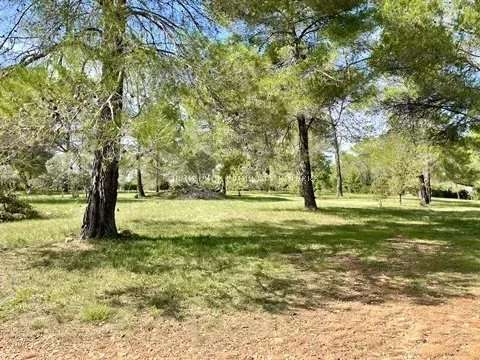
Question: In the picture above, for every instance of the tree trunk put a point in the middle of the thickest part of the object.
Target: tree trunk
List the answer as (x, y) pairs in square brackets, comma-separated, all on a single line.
[(99, 218), (140, 190), (224, 185), (267, 172), (336, 145), (305, 167), (157, 173), (424, 201), (400, 198)]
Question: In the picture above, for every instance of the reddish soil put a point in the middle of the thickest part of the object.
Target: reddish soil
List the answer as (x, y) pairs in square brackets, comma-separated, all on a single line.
[(348, 330)]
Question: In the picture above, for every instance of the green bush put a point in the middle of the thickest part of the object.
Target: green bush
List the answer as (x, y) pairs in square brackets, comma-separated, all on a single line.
[(96, 313), (164, 185), (12, 208)]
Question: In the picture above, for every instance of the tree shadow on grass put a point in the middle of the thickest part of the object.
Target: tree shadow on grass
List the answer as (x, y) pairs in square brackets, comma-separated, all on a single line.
[(43, 200), (262, 198), (68, 200), (439, 203), (167, 302), (377, 255)]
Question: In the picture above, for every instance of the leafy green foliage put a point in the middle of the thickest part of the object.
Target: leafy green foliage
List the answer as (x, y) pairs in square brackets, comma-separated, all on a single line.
[(322, 172), (429, 45), (11, 208)]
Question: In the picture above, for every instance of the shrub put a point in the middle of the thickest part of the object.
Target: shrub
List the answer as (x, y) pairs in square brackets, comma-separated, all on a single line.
[(12, 208), (130, 186), (449, 194), (96, 313), (164, 185), (187, 191)]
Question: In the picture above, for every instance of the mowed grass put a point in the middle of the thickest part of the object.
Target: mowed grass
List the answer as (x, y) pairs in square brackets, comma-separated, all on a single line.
[(259, 252)]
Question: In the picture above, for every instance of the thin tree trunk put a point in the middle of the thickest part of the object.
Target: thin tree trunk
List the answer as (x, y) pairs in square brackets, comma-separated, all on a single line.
[(157, 173), (99, 218), (305, 167), (336, 145), (267, 172), (423, 191), (224, 185), (140, 189)]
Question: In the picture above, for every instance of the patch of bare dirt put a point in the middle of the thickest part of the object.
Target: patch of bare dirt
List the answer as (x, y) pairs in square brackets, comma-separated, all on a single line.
[(348, 330)]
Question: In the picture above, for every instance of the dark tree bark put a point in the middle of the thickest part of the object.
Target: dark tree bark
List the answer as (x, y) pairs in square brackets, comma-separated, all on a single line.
[(224, 185), (424, 199), (336, 146), (99, 218), (305, 167), (140, 189)]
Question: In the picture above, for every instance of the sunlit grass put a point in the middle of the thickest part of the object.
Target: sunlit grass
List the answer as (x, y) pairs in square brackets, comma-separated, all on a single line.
[(260, 252)]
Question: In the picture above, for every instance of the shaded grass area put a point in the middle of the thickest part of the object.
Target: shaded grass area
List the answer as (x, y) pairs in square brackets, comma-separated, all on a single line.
[(254, 253)]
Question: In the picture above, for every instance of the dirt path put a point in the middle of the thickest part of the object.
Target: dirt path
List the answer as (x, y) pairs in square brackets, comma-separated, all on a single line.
[(400, 330)]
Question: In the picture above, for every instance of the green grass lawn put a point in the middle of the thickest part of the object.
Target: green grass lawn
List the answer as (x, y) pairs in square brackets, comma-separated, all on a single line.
[(259, 252)]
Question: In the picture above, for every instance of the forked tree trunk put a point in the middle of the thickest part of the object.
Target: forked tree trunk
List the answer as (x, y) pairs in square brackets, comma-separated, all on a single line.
[(99, 218), (305, 167), (336, 145)]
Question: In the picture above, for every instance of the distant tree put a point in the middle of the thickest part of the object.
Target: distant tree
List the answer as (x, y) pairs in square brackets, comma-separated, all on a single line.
[(322, 172), (68, 173), (457, 165), (29, 164), (237, 105), (155, 132), (340, 90), (395, 163)]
